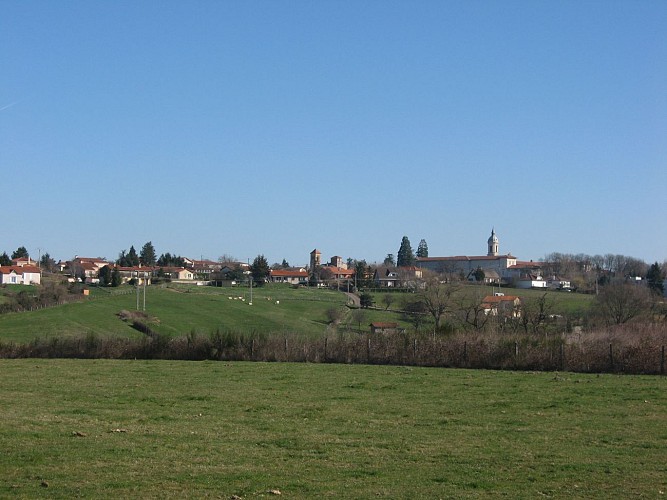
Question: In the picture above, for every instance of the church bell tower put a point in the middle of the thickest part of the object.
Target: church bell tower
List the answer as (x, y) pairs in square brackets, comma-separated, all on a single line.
[(493, 244)]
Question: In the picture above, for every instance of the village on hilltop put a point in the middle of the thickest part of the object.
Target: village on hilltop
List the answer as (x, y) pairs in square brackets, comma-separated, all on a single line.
[(493, 268)]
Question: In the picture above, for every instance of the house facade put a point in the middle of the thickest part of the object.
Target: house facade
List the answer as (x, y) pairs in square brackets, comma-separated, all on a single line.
[(298, 276), (20, 275), (142, 275), (88, 267), (395, 277), (386, 328), (532, 281), (508, 306), (174, 273)]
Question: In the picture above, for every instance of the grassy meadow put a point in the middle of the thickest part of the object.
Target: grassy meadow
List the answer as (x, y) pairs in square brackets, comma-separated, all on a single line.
[(559, 302), (118, 429), (178, 310)]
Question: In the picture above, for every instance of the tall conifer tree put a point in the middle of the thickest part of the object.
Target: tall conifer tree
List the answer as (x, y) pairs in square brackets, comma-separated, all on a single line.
[(406, 256)]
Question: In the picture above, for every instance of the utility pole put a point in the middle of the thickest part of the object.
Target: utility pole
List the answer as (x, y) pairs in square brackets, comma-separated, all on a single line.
[(250, 281)]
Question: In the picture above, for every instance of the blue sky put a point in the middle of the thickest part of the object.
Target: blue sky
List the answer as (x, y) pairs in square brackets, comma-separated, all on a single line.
[(276, 127)]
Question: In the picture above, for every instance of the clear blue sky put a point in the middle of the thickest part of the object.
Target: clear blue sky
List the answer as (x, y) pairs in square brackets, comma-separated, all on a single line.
[(277, 127)]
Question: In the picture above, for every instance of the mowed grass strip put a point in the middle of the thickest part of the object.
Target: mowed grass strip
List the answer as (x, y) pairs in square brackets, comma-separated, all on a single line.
[(109, 429)]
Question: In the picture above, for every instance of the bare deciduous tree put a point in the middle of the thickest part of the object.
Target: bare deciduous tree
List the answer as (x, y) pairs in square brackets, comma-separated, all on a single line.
[(335, 315), (438, 299), (358, 316), (471, 312), (534, 312), (618, 303)]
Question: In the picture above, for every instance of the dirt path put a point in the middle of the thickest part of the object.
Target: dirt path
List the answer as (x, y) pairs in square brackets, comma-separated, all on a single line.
[(353, 298)]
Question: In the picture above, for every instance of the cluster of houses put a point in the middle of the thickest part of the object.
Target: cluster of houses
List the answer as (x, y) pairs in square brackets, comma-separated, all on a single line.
[(492, 268)]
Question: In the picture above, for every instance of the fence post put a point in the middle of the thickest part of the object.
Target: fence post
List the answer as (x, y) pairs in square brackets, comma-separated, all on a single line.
[(562, 357), (414, 349), (611, 357), (252, 349), (286, 356), (465, 352), (368, 351)]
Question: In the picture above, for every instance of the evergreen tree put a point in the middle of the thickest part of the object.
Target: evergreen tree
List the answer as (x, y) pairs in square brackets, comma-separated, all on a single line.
[(169, 260), (365, 300), (655, 278), (479, 275), (164, 260), (389, 260), (47, 263), (105, 276), (129, 259), (362, 274), (260, 270), (20, 253), (132, 257), (285, 264), (422, 249), (406, 257), (116, 279), (5, 260), (147, 256)]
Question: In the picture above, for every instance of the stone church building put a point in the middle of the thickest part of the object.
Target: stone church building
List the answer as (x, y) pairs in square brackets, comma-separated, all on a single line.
[(495, 266)]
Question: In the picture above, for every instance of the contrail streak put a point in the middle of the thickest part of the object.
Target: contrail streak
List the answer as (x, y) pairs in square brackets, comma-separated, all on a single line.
[(9, 105)]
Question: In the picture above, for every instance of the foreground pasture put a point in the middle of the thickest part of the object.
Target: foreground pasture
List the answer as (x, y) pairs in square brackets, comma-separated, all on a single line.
[(110, 429)]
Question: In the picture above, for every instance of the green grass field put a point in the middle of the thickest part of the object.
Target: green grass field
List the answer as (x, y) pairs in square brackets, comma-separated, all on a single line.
[(178, 310), (118, 429), (565, 303)]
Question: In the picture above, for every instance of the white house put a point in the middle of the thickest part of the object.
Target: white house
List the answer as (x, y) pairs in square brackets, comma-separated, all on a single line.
[(532, 281), (20, 275)]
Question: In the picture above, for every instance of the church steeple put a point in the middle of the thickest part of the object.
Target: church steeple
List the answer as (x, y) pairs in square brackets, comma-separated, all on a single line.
[(493, 244)]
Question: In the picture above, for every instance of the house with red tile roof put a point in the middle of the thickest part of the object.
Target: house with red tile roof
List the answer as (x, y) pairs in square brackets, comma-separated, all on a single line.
[(338, 273), (508, 306), (20, 275), (24, 261)]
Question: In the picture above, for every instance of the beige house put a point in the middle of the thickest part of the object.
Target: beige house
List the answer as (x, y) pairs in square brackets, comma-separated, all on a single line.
[(139, 273), (292, 276), (508, 306), (175, 273)]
